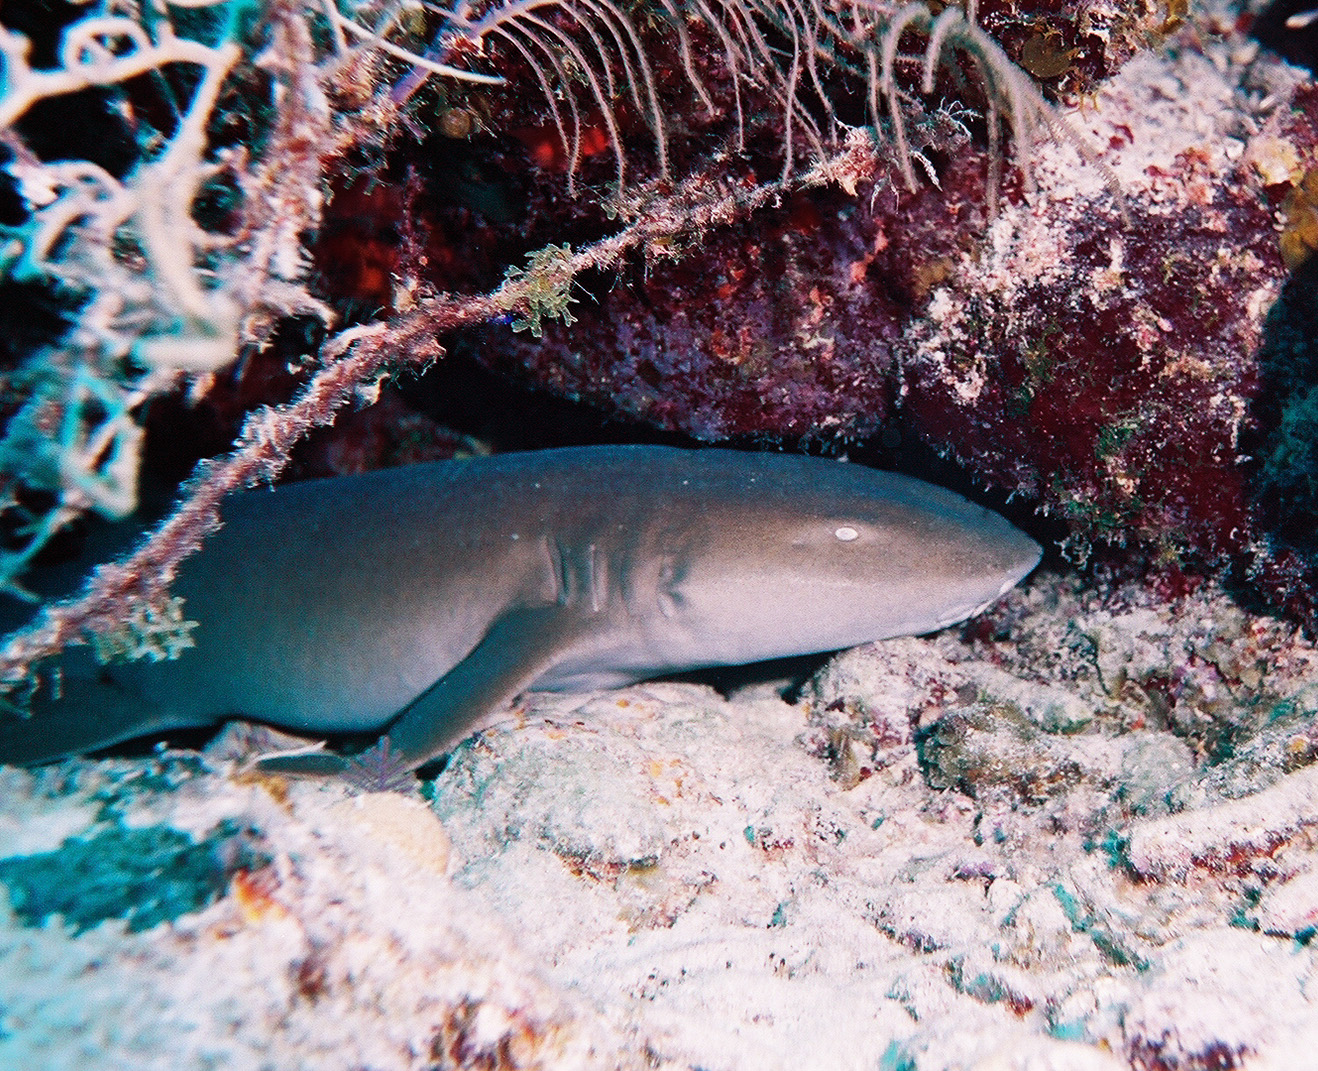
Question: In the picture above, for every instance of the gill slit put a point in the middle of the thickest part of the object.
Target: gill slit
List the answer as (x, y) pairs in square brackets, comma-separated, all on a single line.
[(596, 580), (558, 570)]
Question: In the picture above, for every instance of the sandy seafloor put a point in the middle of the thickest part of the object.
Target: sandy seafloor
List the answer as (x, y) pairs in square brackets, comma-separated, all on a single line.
[(1083, 839), (1086, 841)]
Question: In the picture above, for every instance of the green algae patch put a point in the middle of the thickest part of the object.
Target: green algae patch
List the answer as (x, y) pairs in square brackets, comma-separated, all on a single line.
[(144, 876)]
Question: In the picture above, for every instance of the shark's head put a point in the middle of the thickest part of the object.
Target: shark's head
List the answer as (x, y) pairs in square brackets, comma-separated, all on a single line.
[(813, 556)]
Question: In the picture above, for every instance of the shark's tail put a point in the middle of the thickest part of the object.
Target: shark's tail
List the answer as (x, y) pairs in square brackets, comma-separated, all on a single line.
[(90, 713)]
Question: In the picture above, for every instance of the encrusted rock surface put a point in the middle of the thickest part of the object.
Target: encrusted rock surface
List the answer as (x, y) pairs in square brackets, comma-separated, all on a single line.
[(1077, 833)]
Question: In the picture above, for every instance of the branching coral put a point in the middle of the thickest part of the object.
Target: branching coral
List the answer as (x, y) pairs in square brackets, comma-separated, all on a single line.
[(77, 210), (164, 290)]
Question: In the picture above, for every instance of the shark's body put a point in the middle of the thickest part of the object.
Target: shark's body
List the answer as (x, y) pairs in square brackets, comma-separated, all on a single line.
[(420, 601)]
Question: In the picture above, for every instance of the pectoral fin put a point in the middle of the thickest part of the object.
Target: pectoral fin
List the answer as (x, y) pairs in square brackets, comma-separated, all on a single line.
[(517, 650)]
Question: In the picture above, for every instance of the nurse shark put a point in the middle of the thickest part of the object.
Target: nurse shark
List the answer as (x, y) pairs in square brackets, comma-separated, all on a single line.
[(418, 602)]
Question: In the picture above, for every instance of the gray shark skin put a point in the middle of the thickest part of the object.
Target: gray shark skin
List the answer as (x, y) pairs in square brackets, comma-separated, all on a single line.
[(420, 601)]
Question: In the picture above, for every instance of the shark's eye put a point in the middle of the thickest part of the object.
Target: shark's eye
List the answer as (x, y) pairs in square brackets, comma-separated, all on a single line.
[(846, 533)]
